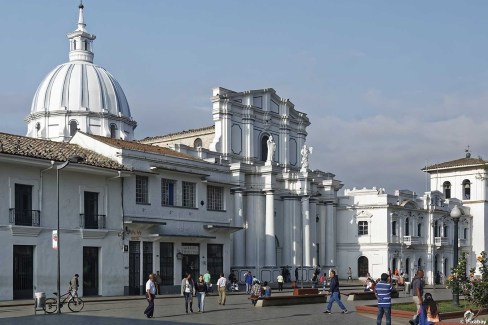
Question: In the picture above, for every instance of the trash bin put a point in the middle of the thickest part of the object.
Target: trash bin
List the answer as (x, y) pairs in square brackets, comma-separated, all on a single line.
[(40, 300), (407, 288)]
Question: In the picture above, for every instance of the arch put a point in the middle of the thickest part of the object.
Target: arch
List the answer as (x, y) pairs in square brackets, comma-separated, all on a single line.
[(113, 131), (264, 147), (447, 189), (73, 127), (445, 231), (407, 227), (466, 189), (436, 229), (38, 128), (197, 143), (394, 228), (419, 230), (363, 266)]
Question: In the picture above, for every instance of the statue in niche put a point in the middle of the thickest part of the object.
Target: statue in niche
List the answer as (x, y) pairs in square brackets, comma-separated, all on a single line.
[(271, 150), (306, 151)]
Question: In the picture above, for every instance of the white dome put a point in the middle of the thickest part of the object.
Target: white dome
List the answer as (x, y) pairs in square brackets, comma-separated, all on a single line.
[(80, 86), (79, 95)]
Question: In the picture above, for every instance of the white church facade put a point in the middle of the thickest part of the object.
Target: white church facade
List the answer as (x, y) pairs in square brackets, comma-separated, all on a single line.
[(238, 195)]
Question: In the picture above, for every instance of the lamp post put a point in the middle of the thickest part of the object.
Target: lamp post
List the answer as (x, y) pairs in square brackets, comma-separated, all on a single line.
[(455, 215), (72, 159)]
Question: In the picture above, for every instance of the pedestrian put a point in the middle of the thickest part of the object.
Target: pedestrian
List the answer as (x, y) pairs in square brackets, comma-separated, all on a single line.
[(323, 280), (296, 274), (208, 281), (150, 295), (221, 283), (159, 281), (73, 286), (335, 294), (430, 311), (280, 280), (382, 292), (187, 291), (201, 290), (248, 280), (418, 289), (314, 280), (256, 292), (266, 289), (233, 281)]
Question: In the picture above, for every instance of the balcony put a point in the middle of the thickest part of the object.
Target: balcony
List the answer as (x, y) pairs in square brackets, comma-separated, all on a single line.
[(31, 218), (441, 241), (92, 221), (411, 240), (463, 242)]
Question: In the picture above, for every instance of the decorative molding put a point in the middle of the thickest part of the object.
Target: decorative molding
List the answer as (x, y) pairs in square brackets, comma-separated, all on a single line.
[(25, 231), (93, 233)]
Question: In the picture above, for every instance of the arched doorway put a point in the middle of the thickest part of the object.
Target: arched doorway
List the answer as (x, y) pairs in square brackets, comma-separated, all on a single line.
[(363, 268), (264, 147)]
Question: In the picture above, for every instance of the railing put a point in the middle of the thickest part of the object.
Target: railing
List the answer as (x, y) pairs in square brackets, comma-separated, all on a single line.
[(463, 242), (30, 218), (92, 221), (440, 241), (411, 240)]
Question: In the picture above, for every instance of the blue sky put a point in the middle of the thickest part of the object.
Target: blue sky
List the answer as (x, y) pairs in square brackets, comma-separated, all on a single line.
[(389, 86)]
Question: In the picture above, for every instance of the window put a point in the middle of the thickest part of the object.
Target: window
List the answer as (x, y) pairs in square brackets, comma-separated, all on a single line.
[(394, 228), (446, 229), (466, 189), (167, 192), (215, 198), (407, 266), (465, 233), (189, 194), (362, 228), (90, 218), (142, 187), (447, 189), (197, 143), (264, 148), (419, 230), (407, 227), (215, 259), (73, 127), (113, 130), (436, 229)]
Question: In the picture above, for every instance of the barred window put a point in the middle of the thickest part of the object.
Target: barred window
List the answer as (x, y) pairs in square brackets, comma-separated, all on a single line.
[(215, 198), (189, 194), (167, 192), (362, 228), (142, 187)]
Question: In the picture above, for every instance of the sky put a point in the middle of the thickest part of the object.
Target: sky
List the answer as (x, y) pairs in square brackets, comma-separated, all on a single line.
[(389, 86)]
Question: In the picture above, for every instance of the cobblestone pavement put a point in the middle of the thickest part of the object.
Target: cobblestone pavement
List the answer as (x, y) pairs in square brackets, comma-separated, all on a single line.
[(170, 310)]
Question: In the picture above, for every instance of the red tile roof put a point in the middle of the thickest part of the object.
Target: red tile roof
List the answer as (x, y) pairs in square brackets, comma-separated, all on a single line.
[(207, 128), (463, 162)]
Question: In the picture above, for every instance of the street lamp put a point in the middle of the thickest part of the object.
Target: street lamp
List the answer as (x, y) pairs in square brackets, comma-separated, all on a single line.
[(455, 215), (72, 159)]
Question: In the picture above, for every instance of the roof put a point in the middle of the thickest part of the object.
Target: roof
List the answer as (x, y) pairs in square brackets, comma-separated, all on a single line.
[(463, 162), (17, 145), (135, 145), (207, 128)]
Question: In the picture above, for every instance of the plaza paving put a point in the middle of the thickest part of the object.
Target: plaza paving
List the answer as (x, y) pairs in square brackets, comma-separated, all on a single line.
[(170, 310)]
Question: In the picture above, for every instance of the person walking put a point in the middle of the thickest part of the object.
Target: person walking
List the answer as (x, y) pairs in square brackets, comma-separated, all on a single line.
[(418, 289), (221, 283), (150, 295), (207, 278), (280, 280), (248, 280), (158, 281), (382, 292), (349, 274), (187, 291), (296, 275), (323, 280), (335, 294), (201, 290), (73, 286)]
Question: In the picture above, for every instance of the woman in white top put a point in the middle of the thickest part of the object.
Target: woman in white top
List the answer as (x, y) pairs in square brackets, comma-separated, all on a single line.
[(187, 290), (150, 295)]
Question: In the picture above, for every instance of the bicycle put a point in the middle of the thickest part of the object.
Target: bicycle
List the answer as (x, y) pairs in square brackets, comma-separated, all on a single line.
[(74, 304)]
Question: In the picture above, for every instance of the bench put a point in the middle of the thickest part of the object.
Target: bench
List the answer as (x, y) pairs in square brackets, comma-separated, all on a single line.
[(291, 300), (366, 295), (305, 291)]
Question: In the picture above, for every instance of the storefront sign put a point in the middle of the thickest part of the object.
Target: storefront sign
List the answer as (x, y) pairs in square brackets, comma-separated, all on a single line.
[(190, 250)]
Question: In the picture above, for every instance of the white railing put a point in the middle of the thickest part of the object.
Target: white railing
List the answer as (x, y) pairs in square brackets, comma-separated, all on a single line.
[(440, 241)]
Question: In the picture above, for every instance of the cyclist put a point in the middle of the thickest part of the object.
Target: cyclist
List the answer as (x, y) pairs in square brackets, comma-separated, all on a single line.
[(73, 286)]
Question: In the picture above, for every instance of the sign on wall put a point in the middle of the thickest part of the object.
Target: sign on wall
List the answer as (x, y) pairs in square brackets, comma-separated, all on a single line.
[(55, 239), (189, 250)]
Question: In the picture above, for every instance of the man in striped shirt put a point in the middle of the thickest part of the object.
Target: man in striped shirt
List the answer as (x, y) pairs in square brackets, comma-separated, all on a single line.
[(383, 291)]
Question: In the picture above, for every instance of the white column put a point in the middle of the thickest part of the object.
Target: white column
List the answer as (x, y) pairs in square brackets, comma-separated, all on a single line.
[(251, 231), (306, 232), (270, 259), (287, 254), (239, 242), (322, 227), (313, 231), (330, 232), (297, 231)]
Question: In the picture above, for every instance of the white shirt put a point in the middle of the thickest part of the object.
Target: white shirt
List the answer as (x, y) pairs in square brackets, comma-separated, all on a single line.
[(151, 287), (221, 282)]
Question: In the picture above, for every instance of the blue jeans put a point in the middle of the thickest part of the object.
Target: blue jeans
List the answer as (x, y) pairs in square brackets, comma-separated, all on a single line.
[(335, 297), (387, 312)]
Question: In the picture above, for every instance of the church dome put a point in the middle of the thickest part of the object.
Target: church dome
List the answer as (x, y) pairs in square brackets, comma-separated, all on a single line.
[(80, 95)]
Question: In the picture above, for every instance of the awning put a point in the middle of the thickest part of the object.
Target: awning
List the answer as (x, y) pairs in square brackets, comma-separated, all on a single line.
[(221, 228), (144, 221)]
